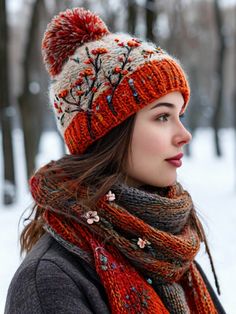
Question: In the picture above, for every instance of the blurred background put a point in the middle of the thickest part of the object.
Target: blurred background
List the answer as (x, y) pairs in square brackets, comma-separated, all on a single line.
[(202, 34)]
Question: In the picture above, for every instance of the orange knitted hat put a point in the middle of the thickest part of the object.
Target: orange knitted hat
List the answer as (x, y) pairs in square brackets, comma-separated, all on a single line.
[(99, 78)]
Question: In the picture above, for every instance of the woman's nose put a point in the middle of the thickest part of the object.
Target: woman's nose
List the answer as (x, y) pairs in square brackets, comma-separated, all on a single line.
[(183, 136)]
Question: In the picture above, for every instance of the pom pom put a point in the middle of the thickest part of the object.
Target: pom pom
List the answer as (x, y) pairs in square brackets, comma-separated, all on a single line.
[(66, 32)]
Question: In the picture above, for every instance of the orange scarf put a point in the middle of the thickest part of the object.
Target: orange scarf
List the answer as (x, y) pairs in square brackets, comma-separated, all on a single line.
[(142, 244)]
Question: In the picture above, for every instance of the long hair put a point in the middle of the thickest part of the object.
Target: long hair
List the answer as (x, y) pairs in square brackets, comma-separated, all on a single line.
[(101, 166)]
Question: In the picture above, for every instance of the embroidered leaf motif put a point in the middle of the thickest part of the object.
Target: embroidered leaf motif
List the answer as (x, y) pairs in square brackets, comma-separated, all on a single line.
[(80, 95)]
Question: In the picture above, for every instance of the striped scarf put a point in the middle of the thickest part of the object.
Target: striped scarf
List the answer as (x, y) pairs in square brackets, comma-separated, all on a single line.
[(141, 241)]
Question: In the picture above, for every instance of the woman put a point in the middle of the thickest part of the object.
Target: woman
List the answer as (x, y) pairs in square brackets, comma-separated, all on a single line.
[(112, 230)]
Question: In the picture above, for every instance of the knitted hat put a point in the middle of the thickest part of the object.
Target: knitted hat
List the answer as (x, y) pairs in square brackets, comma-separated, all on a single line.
[(99, 78)]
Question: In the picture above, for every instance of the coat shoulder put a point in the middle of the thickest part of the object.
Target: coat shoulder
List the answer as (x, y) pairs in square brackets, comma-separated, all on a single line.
[(53, 280)]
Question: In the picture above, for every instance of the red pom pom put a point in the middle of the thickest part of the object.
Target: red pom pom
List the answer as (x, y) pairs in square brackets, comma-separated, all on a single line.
[(66, 32)]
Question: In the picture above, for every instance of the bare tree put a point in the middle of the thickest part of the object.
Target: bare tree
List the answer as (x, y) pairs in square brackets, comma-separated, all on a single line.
[(150, 19), (132, 16), (216, 119), (30, 103), (5, 110)]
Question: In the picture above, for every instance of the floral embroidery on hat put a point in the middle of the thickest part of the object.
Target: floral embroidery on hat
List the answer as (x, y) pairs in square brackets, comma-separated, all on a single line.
[(110, 196), (159, 50), (80, 94), (92, 217), (142, 243)]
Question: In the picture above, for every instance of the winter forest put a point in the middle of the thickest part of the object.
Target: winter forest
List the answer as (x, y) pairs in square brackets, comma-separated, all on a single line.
[(202, 34)]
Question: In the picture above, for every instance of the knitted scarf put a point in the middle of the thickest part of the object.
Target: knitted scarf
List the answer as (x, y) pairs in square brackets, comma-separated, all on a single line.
[(141, 241)]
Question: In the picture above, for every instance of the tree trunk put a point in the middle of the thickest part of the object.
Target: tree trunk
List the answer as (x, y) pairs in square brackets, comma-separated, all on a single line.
[(132, 16), (220, 77), (5, 112), (30, 106), (150, 19)]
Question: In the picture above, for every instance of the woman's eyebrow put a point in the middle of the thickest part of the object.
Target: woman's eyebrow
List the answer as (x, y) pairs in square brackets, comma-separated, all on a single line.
[(163, 104)]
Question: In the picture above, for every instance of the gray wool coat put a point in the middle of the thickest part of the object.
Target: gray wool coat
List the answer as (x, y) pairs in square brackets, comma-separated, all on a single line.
[(52, 280)]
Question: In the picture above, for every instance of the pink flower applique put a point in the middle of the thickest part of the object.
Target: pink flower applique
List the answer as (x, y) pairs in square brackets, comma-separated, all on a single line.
[(91, 216), (142, 243), (110, 196)]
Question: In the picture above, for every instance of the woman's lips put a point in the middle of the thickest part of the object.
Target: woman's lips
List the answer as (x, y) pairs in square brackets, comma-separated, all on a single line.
[(176, 160)]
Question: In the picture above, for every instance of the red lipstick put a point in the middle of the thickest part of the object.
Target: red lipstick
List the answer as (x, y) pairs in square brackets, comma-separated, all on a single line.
[(175, 160)]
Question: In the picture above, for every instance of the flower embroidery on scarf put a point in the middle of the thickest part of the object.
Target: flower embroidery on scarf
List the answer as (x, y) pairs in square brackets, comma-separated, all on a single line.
[(142, 243), (137, 297), (110, 196), (92, 216)]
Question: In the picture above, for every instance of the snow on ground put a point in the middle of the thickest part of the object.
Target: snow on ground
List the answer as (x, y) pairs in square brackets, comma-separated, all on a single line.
[(210, 181)]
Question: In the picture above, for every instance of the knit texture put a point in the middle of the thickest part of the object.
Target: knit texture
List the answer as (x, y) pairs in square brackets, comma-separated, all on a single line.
[(99, 79), (48, 271), (127, 241)]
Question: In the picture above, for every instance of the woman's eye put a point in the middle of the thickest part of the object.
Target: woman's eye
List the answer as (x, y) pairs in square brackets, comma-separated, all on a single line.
[(163, 118)]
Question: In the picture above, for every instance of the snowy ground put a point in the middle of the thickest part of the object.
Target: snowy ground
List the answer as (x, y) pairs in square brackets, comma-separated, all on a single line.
[(209, 180)]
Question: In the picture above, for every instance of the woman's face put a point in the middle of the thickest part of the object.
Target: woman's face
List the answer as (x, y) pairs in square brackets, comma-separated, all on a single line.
[(158, 135)]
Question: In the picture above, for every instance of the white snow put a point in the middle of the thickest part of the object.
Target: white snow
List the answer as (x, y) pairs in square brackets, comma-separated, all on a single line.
[(210, 181)]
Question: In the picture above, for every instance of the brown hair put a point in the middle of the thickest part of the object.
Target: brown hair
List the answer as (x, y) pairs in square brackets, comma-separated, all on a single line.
[(102, 165)]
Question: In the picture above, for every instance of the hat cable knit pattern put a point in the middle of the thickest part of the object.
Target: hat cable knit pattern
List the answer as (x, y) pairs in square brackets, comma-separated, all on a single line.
[(99, 78)]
